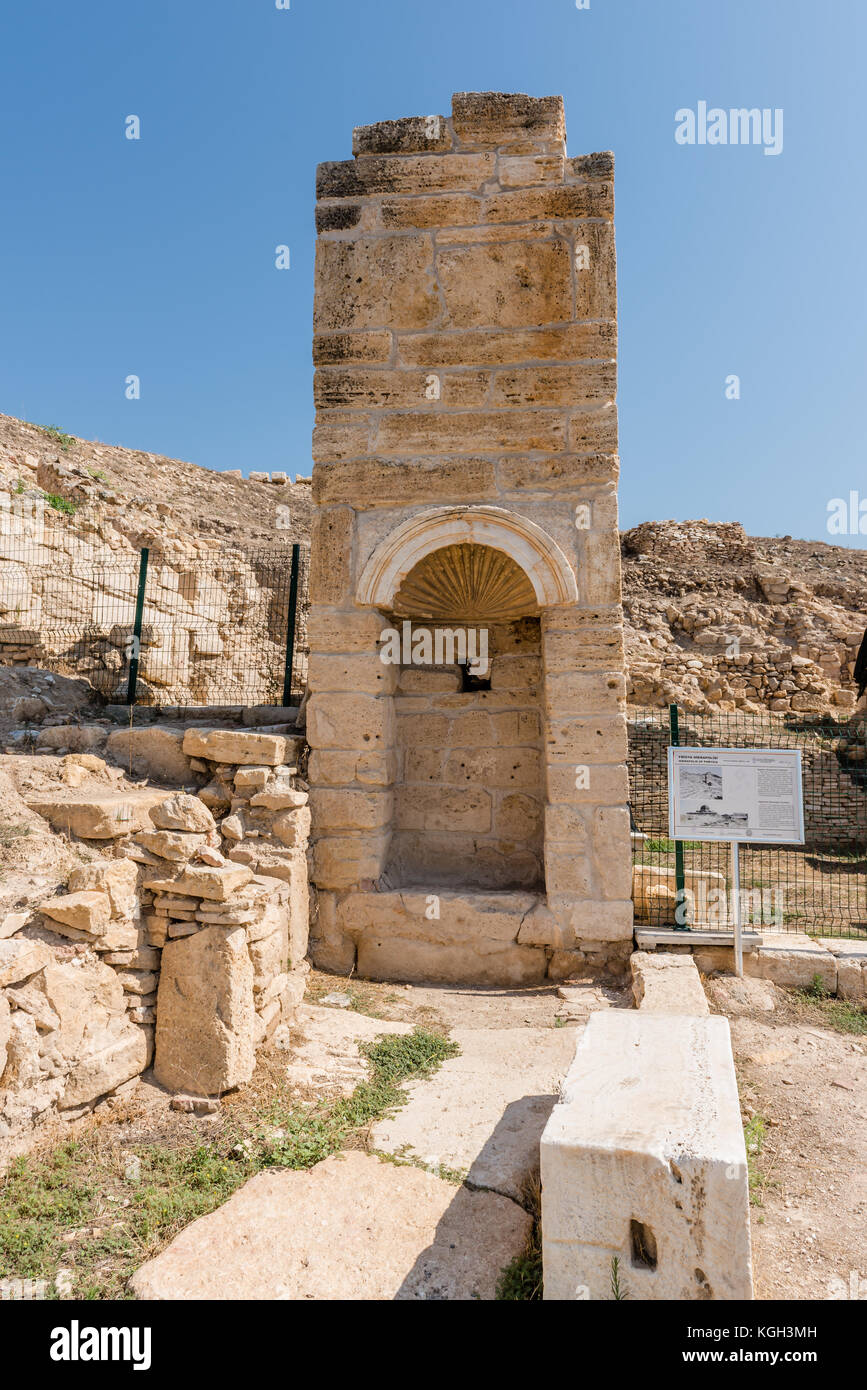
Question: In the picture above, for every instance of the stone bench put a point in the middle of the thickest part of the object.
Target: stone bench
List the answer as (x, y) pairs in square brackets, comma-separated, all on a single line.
[(643, 1163)]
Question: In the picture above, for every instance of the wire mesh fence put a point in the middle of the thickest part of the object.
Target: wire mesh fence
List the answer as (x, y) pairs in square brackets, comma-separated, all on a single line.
[(819, 887), (159, 627)]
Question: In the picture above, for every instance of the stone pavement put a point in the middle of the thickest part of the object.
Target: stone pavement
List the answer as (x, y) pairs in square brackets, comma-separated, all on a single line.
[(365, 1226)]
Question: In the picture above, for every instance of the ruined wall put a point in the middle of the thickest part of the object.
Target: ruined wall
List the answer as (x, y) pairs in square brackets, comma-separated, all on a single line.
[(180, 940), (465, 342)]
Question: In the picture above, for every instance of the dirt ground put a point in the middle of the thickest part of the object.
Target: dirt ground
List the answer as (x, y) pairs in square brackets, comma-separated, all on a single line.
[(804, 1084)]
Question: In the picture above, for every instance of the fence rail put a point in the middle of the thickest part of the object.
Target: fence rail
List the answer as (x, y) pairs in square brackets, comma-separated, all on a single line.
[(158, 627), (819, 888)]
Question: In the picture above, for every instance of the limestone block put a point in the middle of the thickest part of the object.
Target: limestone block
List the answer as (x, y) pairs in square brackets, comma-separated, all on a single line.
[(525, 170), (510, 768), (171, 844), (344, 348), (87, 911), (124, 1056), (292, 828), (319, 1235), (116, 877), (793, 966), (340, 861), (331, 555), (251, 779), (205, 1013), (97, 815), (364, 672), (270, 954), (279, 798), (233, 746), (443, 808), (643, 1159), (396, 958), (590, 384), (203, 882), (518, 817), (339, 435), (492, 119), (412, 135), (456, 432), (584, 693), (350, 810), (612, 851), (402, 174), (526, 205), (568, 873), (584, 920), (440, 210), (331, 630), (21, 959), (350, 721), (495, 347), (72, 738), (151, 752), (667, 984), (586, 739), (354, 279), (370, 482)]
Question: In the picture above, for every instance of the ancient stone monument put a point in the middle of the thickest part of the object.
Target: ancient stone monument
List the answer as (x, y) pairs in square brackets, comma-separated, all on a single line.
[(466, 717)]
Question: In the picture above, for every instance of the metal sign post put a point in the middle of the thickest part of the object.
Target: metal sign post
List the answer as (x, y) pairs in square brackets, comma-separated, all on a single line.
[(736, 904)]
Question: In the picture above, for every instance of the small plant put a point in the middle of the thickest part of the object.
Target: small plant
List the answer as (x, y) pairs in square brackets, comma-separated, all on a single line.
[(19, 487), (522, 1279), (98, 477), (10, 833), (55, 432), (817, 989), (61, 504), (755, 1133), (618, 1290)]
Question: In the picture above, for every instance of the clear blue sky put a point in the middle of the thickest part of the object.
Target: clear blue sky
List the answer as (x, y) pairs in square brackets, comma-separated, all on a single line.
[(156, 257)]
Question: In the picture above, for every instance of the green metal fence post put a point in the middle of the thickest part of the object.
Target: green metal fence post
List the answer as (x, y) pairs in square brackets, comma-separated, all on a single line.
[(135, 653), (679, 876), (291, 625)]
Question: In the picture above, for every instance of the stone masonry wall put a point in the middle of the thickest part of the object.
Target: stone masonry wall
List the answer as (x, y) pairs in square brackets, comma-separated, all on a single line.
[(465, 344)]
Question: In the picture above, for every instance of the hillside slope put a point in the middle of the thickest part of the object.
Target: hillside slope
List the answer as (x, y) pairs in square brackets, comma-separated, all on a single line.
[(713, 617)]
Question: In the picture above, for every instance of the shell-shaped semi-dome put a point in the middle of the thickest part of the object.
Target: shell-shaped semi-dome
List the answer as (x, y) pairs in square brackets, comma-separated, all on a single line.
[(467, 584)]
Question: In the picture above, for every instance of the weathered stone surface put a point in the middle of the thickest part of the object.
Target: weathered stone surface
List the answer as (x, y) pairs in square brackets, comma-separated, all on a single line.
[(233, 746), (361, 275), (118, 878), (331, 553), (667, 984), (411, 135), (495, 347), (177, 845), (350, 721), (151, 752), (643, 1159), (204, 1038), (203, 881), (409, 174), (507, 286), (493, 119), (97, 815), (321, 1235), (20, 959), (88, 912), (184, 813), (483, 1112), (371, 481)]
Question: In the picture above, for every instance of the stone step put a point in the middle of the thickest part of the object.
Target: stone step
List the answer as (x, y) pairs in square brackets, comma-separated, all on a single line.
[(351, 1228), (482, 1113)]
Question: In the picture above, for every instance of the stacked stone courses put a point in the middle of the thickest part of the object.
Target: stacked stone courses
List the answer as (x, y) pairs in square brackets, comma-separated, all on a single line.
[(465, 351)]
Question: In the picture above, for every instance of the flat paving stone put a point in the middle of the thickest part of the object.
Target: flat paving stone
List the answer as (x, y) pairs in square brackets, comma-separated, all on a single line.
[(482, 1113), (351, 1228)]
